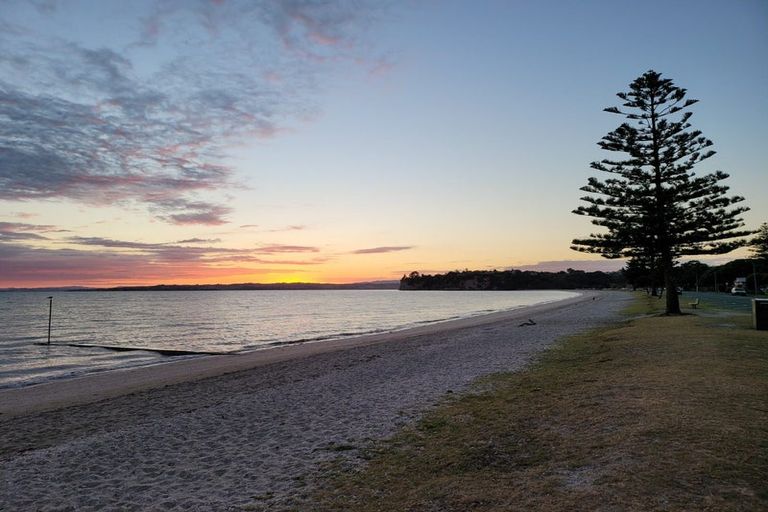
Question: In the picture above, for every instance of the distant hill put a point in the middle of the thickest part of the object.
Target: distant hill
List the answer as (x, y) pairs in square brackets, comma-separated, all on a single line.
[(370, 285), (48, 289), (512, 280)]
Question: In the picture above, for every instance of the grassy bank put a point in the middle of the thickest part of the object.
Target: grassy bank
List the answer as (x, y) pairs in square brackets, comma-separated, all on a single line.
[(665, 413)]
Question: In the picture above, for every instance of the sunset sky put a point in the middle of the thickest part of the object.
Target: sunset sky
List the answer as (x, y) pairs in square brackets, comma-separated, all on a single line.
[(229, 141)]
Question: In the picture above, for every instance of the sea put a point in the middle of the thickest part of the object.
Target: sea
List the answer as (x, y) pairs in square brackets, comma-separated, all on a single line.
[(88, 326)]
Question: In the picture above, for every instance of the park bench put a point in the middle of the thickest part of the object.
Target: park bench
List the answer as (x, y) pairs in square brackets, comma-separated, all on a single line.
[(694, 303)]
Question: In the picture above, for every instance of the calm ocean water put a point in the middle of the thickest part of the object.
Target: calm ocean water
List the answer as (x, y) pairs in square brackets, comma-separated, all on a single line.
[(217, 321)]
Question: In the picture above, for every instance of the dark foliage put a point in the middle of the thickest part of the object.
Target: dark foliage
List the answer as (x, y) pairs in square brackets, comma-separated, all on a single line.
[(512, 280), (694, 274), (728, 272), (653, 206), (691, 273), (759, 244), (642, 272)]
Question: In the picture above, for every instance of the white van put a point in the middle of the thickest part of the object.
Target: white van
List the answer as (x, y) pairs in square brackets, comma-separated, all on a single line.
[(739, 286)]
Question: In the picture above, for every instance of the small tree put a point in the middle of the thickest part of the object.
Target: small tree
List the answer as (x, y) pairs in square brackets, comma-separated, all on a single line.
[(641, 273), (690, 272), (653, 206), (759, 244)]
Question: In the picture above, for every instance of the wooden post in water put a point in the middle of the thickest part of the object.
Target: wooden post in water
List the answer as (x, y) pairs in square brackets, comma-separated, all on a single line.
[(50, 314)]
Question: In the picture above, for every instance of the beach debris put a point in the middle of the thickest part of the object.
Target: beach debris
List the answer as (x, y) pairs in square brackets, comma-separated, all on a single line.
[(529, 322)]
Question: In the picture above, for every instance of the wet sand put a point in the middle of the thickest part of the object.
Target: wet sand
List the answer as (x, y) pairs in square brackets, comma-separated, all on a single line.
[(251, 431)]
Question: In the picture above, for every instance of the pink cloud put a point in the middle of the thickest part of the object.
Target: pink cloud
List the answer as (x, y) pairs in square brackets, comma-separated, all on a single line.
[(24, 215), (272, 249), (384, 249), (586, 265)]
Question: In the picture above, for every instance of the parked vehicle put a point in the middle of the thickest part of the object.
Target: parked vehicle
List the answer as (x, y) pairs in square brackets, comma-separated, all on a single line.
[(739, 286)]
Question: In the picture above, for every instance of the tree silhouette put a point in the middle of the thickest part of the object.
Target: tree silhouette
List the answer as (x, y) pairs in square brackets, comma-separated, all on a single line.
[(641, 273), (653, 206), (759, 244)]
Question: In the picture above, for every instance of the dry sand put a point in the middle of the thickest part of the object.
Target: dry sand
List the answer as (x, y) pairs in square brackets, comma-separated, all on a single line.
[(252, 431)]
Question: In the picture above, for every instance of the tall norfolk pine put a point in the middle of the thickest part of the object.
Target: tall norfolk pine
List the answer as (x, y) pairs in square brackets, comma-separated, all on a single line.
[(653, 206)]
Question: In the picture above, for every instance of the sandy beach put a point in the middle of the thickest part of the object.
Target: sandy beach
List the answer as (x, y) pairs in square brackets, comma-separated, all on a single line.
[(252, 431)]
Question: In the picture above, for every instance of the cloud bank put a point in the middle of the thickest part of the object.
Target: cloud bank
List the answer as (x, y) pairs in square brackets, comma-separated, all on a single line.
[(148, 118), (28, 255)]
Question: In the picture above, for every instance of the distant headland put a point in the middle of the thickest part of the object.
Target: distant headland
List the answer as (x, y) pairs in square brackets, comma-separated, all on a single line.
[(512, 280), (368, 285)]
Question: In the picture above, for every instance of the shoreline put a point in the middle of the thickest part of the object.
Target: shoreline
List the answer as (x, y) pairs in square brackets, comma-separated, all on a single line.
[(94, 387), (262, 439)]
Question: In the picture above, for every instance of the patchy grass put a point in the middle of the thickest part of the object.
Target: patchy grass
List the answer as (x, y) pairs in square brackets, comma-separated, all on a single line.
[(657, 413), (644, 305)]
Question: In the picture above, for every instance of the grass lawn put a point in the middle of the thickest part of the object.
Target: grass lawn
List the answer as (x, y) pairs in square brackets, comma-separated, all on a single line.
[(654, 413)]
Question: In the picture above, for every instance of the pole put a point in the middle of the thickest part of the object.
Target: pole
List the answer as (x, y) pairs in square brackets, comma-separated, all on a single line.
[(754, 277), (50, 314), (716, 290)]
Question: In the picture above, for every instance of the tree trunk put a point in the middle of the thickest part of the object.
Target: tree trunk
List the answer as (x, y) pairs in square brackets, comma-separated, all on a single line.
[(673, 300)]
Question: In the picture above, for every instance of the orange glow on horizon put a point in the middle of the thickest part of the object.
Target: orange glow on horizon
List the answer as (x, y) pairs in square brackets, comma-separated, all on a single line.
[(216, 276)]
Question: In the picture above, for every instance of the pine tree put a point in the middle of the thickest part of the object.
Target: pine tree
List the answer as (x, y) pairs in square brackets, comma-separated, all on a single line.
[(759, 244), (653, 206)]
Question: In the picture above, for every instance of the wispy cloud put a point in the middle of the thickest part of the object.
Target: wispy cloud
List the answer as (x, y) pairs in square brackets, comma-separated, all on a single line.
[(192, 250), (162, 251), (200, 241), (384, 249), (16, 235), (23, 226), (108, 242), (23, 231), (93, 123), (587, 265), (292, 227), (23, 215), (273, 249)]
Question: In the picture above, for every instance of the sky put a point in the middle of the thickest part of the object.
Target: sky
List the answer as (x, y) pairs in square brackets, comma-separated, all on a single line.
[(224, 141)]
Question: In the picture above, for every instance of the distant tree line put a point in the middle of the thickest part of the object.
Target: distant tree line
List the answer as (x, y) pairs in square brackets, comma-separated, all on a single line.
[(372, 285), (695, 275), (512, 280), (689, 275)]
